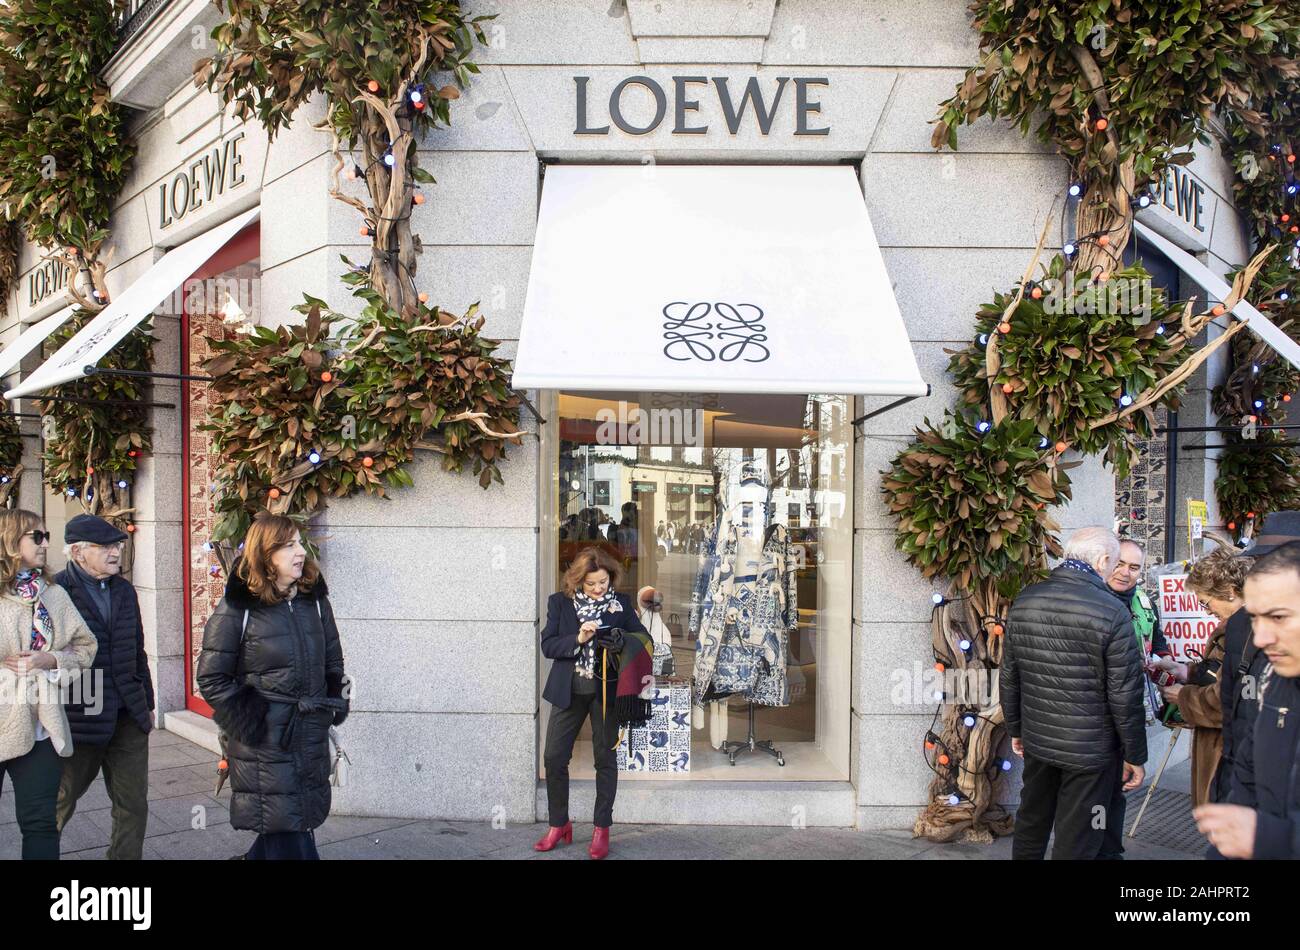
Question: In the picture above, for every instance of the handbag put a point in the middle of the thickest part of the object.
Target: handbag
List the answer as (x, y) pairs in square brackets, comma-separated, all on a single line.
[(662, 661), (340, 763)]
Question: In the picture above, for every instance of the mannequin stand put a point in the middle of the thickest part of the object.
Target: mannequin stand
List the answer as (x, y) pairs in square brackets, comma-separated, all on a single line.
[(750, 744)]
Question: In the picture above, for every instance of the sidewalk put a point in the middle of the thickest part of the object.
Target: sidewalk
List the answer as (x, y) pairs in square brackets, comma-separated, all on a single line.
[(186, 822)]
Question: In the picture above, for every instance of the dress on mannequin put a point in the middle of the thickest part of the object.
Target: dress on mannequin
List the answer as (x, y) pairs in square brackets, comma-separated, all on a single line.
[(745, 609)]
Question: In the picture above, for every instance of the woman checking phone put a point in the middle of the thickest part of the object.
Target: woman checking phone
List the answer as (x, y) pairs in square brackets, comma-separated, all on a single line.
[(581, 637)]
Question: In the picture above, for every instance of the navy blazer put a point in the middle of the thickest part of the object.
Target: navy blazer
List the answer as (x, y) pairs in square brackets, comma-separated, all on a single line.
[(560, 641)]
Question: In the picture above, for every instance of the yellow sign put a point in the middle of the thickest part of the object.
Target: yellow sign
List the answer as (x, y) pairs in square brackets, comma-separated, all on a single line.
[(1197, 514)]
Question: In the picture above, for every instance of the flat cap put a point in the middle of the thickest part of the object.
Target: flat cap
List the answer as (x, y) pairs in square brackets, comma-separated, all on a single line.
[(92, 529)]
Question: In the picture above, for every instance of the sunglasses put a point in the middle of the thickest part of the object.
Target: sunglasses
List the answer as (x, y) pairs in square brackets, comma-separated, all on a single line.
[(40, 537)]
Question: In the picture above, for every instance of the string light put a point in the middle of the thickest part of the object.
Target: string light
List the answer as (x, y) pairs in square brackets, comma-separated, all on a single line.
[(968, 721), (389, 159), (965, 645), (1160, 330), (313, 457), (954, 799), (937, 598), (122, 483), (1076, 189), (983, 426), (1069, 248), (1126, 400)]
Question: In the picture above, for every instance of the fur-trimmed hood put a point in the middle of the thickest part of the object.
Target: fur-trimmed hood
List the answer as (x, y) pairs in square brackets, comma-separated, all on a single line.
[(240, 597)]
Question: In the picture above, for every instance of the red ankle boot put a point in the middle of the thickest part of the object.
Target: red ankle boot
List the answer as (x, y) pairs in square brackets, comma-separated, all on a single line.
[(599, 843), (554, 836)]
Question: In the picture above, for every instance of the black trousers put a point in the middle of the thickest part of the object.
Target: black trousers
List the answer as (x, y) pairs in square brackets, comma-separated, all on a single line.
[(284, 846), (36, 778), (1112, 845), (1077, 804), (561, 731)]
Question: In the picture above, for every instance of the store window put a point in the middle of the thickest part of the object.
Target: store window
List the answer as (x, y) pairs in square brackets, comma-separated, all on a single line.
[(736, 510)]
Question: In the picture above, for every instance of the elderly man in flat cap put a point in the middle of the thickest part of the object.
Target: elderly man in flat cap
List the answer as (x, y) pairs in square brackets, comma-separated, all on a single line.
[(110, 729)]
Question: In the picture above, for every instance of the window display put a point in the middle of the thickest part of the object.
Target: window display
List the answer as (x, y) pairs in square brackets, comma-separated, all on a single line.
[(730, 517)]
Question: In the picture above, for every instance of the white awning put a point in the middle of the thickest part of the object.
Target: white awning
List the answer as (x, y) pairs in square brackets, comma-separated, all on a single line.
[(30, 339), (710, 278), (120, 317), (1256, 322)]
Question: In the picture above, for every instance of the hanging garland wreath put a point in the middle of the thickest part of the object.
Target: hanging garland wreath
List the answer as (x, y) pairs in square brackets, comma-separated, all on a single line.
[(1256, 470), (304, 415), (99, 426)]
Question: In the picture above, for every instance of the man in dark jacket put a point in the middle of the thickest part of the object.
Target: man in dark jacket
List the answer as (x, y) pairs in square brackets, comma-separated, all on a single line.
[(1071, 693), (1124, 582), (1262, 818), (111, 730)]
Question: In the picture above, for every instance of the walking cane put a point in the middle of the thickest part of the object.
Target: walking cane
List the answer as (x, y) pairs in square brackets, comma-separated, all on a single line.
[(1178, 731)]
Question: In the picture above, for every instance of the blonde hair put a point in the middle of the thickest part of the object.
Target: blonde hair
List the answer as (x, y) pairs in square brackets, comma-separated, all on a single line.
[(1221, 574), (14, 523), (268, 534)]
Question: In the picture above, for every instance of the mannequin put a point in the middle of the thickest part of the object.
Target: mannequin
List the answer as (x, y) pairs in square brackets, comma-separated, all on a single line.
[(745, 608)]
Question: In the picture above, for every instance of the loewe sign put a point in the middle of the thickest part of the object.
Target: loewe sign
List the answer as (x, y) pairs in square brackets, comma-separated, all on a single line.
[(1179, 191), (51, 277), (765, 107), (199, 182)]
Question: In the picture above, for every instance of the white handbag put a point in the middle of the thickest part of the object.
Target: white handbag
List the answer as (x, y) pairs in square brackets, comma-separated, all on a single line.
[(339, 757)]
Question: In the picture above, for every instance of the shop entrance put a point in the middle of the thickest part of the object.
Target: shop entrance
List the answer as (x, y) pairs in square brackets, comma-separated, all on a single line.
[(219, 299)]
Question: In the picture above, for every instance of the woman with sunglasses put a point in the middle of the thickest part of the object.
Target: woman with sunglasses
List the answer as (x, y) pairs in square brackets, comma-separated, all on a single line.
[(43, 643)]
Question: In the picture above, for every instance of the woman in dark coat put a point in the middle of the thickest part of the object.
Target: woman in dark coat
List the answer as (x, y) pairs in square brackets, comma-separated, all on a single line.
[(579, 636), (272, 670)]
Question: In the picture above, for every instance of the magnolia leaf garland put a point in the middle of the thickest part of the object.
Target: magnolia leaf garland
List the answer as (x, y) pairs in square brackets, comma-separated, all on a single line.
[(337, 406), (100, 427), (63, 143), (1075, 351), (1257, 468)]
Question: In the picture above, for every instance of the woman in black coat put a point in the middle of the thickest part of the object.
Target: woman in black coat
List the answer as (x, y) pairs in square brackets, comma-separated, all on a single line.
[(579, 637), (272, 670)]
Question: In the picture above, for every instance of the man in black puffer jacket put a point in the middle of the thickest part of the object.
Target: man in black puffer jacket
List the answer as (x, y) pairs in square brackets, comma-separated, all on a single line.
[(110, 731), (1071, 692)]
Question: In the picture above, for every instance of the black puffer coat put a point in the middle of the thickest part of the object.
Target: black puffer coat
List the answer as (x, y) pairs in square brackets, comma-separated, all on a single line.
[(1071, 683), (274, 696), (121, 659)]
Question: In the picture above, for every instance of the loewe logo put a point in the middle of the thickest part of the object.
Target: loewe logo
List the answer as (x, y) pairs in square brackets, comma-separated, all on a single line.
[(103, 903), (746, 334)]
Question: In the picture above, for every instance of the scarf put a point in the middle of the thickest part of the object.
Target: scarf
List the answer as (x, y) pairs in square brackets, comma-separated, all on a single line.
[(634, 662), (1074, 564), (29, 586), (591, 609), (1124, 596)]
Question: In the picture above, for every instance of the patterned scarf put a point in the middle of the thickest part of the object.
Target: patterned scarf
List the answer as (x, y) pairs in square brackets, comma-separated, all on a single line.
[(29, 586), (592, 608), (1074, 564)]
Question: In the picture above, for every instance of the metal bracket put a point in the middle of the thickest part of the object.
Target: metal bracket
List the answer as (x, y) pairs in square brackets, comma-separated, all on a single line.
[(883, 409), (143, 374)]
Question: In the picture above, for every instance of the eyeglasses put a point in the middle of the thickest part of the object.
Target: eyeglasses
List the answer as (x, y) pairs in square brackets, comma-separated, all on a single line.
[(40, 537)]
